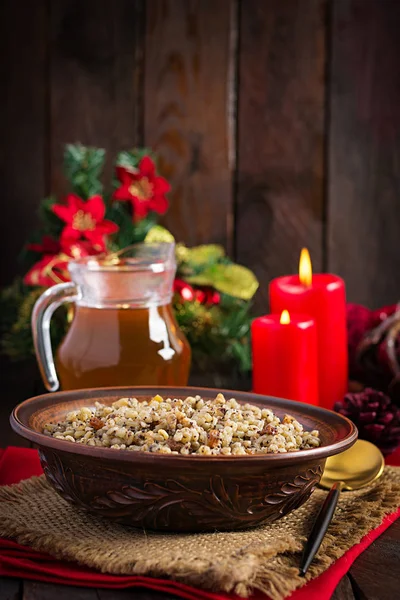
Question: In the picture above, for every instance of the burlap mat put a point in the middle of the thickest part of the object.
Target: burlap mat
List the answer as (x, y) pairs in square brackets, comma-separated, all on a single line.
[(266, 558)]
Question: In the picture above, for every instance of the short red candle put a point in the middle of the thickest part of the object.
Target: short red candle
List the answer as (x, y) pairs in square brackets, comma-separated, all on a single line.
[(285, 358), (324, 299)]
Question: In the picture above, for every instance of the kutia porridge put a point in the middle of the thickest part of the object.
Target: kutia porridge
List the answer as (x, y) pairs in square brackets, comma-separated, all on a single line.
[(190, 426)]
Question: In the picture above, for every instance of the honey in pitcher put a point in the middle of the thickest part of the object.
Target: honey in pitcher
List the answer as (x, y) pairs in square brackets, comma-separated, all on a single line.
[(114, 346)]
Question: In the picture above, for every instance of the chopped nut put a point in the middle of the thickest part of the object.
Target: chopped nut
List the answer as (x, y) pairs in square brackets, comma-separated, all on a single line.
[(287, 419), (213, 438), (221, 411), (269, 430)]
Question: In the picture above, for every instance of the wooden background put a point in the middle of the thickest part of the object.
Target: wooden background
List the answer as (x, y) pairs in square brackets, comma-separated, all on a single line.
[(276, 121)]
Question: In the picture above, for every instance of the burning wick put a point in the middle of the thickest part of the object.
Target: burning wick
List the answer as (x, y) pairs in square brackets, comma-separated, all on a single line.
[(305, 268), (285, 318)]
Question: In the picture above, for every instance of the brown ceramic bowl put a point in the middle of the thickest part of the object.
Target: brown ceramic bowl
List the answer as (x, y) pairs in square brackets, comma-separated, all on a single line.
[(173, 492)]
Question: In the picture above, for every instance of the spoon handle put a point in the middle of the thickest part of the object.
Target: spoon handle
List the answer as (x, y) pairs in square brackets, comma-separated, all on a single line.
[(320, 526)]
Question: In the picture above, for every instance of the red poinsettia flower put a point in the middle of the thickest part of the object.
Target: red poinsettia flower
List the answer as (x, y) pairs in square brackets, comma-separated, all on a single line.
[(48, 245), (48, 271), (53, 268), (78, 249), (143, 188), (85, 220)]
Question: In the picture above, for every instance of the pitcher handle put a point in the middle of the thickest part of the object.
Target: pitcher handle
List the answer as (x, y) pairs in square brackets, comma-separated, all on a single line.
[(42, 312)]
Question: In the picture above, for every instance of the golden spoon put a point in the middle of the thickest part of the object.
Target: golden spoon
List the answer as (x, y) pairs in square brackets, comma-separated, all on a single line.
[(353, 469)]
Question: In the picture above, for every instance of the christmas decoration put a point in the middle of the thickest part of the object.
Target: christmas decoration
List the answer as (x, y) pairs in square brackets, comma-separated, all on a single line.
[(374, 351), (143, 188), (212, 295), (376, 417), (85, 219), (374, 361)]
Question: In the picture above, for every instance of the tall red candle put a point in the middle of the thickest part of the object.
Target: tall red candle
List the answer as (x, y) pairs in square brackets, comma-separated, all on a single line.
[(285, 357), (323, 297)]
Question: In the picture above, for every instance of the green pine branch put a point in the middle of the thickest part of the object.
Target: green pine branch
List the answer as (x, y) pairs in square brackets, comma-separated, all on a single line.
[(83, 167), (51, 224), (218, 335), (16, 305), (132, 158)]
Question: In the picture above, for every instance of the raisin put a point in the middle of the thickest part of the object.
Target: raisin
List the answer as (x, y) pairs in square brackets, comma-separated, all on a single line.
[(96, 423), (173, 445)]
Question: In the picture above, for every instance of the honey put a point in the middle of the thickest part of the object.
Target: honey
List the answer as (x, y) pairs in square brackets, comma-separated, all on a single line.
[(113, 347)]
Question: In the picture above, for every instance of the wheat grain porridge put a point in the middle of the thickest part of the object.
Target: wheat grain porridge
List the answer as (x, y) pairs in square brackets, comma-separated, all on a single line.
[(190, 426)]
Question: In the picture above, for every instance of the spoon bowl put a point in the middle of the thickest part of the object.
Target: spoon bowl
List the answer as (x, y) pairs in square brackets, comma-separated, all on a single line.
[(356, 467)]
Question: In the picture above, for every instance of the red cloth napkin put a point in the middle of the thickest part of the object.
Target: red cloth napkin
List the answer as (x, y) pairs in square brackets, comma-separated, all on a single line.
[(23, 562)]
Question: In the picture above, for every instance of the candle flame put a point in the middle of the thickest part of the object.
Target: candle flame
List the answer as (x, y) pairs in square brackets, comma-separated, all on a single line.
[(305, 268), (285, 317)]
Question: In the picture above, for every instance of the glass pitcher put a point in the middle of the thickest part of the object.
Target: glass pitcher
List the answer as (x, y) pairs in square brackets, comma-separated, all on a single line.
[(123, 332)]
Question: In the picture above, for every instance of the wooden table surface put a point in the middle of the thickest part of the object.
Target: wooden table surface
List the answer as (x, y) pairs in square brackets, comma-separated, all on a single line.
[(375, 575)]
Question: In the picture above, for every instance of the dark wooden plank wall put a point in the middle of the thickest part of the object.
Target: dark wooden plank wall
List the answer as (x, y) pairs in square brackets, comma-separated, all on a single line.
[(277, 122), (280, 202), (94, 78), (23, 125), (364, 149), (188, 83)]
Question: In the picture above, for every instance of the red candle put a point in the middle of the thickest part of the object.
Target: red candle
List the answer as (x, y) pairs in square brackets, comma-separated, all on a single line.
[(322, 297), (285, 357)]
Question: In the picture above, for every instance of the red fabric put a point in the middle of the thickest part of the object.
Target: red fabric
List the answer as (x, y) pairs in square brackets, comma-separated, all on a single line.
[(23, 562)]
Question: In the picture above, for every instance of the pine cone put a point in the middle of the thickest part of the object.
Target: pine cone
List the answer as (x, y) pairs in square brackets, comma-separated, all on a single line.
[(377, 419)]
